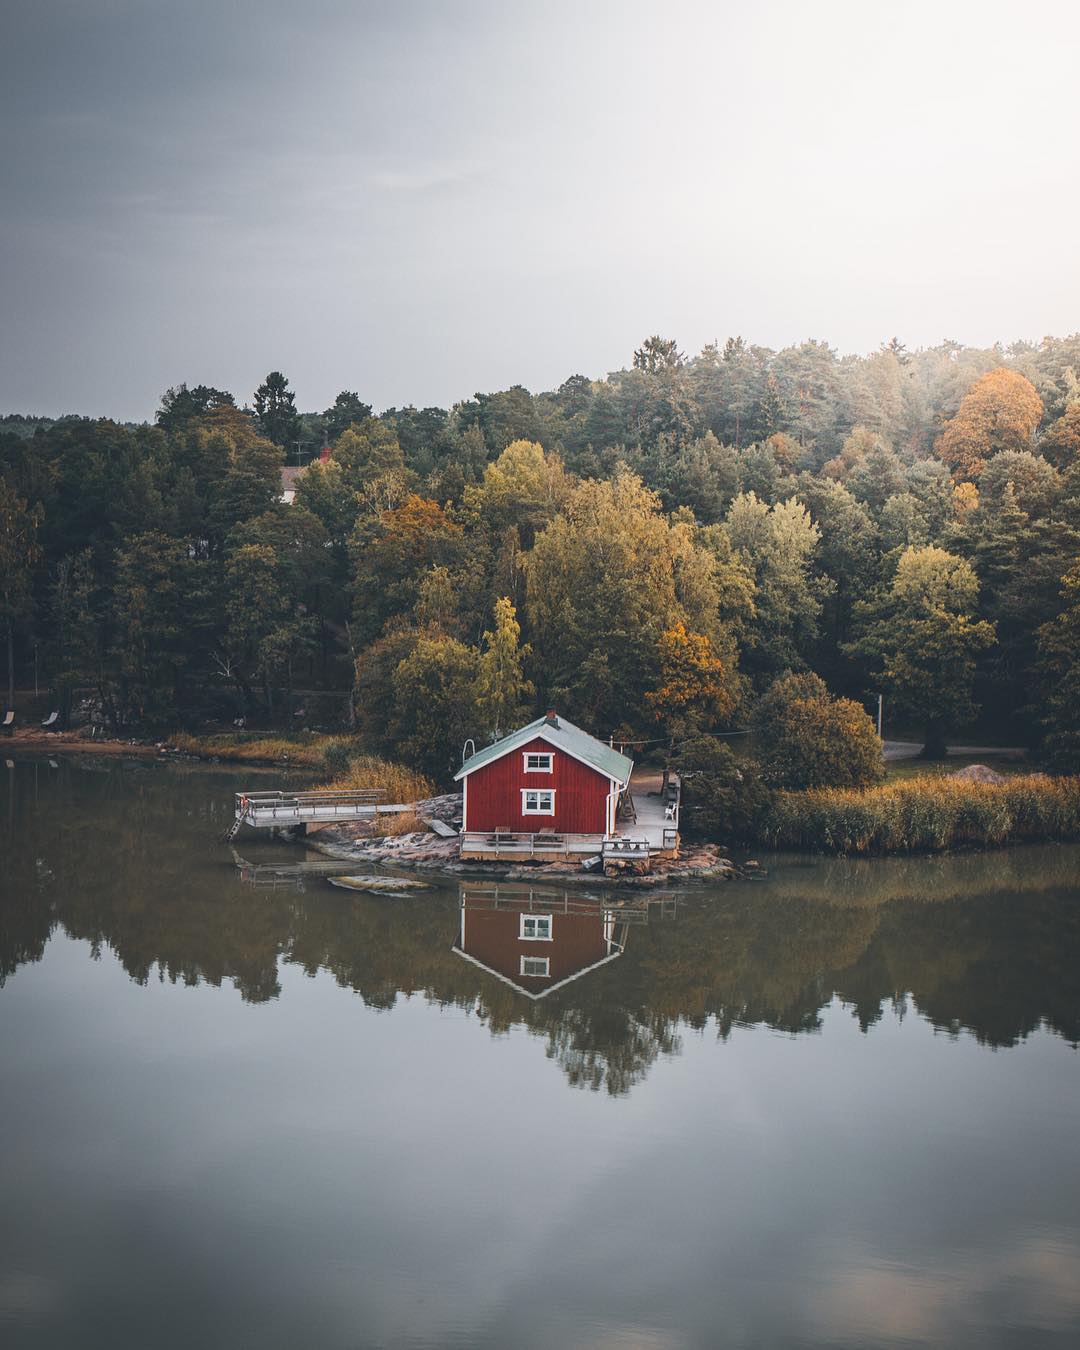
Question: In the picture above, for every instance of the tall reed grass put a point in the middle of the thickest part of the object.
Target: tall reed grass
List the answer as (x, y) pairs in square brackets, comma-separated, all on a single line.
[(400, 783), (925, 815)]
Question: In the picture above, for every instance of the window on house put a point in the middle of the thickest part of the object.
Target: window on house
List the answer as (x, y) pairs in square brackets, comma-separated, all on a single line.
[(538, 763), (537, 801), (536, 927), (535, 965)]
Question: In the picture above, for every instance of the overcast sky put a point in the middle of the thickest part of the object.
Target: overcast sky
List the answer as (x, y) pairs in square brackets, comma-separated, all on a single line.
[(419, 200)]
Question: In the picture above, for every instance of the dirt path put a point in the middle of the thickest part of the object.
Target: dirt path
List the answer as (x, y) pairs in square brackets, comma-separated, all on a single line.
[(912, 750)]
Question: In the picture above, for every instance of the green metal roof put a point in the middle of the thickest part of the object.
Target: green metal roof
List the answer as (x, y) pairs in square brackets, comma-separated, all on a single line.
[(563, 735)]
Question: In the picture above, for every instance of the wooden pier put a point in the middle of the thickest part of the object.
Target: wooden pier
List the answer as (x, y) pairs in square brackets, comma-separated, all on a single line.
[(292, 810)]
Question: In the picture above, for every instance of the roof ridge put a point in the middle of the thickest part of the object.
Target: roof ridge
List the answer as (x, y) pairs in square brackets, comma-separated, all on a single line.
[(576, 742)]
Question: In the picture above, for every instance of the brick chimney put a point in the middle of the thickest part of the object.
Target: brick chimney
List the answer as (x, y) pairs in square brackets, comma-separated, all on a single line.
[(551, 718)]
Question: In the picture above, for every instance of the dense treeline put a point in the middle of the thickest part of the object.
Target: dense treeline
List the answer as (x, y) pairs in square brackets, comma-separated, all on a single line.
[(651, 552)]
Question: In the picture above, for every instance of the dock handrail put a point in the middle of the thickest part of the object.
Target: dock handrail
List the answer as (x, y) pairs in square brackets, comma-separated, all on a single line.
[(357, 797)]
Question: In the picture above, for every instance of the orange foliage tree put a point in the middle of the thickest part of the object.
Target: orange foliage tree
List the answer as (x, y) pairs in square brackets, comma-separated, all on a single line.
[(696, 689), (999, 412)]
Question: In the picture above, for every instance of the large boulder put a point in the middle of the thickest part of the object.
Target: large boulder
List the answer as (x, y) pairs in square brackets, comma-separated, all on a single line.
[(979, 773)]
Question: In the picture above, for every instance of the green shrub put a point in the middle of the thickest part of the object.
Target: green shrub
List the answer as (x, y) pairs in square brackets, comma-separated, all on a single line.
[(336, 754), (808, 739), (724, 799)]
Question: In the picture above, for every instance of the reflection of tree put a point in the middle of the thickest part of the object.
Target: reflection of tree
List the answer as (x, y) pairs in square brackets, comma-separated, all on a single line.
[(125, 859), (608, 1047)]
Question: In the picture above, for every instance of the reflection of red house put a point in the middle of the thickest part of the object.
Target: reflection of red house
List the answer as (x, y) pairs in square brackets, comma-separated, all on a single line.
[(547, 777), (535, 942)]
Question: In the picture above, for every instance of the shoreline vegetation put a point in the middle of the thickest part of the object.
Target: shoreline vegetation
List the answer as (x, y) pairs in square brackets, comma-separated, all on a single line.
[(928, 814), (934, 811)]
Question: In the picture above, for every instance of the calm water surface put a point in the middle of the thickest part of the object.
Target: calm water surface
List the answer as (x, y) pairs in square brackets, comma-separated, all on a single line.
[(838, 1107)]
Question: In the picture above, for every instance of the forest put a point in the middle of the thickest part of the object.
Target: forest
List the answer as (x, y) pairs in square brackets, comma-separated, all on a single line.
[(691, 546)]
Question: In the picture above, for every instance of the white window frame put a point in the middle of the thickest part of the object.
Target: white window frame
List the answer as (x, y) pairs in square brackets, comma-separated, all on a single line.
[(549, 767), (536, 937), (544, 974), (537, 810)]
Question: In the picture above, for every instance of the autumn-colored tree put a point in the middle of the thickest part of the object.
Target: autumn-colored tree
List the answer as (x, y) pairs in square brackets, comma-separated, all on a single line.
[(19, 552), (999, 412), (501, 685), (923, 638), (696, 689), (391, 552), (805, 738), (604, 580), (525, 487), (965, 499)]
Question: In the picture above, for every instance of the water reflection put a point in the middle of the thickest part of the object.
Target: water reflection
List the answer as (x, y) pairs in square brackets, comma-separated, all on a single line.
[(539, 939), (124, 857)]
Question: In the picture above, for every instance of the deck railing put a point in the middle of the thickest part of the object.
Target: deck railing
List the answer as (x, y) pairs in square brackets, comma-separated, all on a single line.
[(496, 842), (357, 797), (260, 808)]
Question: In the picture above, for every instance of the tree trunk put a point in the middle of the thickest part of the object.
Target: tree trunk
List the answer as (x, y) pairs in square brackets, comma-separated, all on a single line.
[(10, 662), (935, 747)]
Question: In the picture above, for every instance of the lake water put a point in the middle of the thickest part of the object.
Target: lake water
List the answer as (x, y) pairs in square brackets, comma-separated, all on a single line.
[(837, 1107)]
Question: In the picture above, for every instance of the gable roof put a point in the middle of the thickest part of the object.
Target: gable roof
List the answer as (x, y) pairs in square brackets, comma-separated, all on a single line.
[(537, 994), (563, 735)]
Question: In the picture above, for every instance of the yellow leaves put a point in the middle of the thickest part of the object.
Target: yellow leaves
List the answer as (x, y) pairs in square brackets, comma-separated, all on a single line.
[(696, 686), (965, 499), (418, 517)]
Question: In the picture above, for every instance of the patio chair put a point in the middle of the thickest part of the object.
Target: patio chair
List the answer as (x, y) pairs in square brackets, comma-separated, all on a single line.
[(8, 724), (51, 721)]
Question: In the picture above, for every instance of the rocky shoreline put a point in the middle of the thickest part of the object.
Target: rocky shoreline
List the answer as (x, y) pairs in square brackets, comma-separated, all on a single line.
[(425, 851)]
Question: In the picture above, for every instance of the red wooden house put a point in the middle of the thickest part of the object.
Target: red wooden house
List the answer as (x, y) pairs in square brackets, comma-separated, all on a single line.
[(548, 787)]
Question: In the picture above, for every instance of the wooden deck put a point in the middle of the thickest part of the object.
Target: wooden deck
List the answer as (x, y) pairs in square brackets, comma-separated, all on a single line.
[(657, 813)]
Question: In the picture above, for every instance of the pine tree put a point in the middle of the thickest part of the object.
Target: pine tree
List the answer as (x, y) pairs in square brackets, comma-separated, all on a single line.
[(275, 408)]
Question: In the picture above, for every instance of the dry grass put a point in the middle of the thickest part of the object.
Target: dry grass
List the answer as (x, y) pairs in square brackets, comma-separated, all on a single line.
[(397, 823), (925, 815), (400, 783), (252, 748)]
